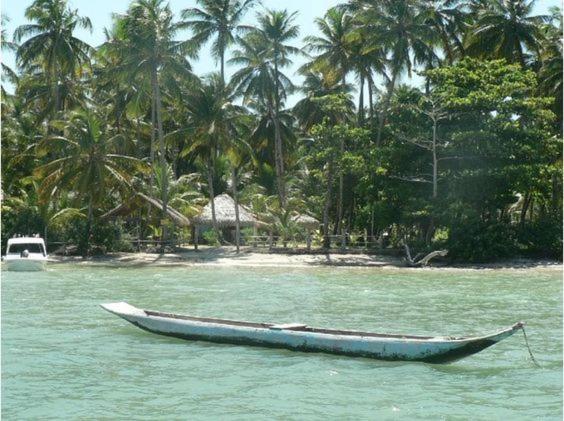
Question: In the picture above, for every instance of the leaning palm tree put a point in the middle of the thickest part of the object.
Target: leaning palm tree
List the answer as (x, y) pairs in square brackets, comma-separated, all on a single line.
[(505, 29), (85, 163), (151, 53), (264, 52), (51, 45), (221, 18)]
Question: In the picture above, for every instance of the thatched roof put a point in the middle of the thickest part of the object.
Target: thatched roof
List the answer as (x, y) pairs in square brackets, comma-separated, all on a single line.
[(139, 199), (306, 221), (225, 214)]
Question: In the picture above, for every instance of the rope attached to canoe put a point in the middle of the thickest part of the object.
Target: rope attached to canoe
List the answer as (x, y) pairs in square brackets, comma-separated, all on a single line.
[(529, 348)]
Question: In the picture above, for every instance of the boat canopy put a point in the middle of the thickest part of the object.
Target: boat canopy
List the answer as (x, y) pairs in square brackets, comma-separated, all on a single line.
[(26, 240)]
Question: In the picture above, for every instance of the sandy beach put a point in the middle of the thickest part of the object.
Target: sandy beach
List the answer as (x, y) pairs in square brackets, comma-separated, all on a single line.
[(227, 257)]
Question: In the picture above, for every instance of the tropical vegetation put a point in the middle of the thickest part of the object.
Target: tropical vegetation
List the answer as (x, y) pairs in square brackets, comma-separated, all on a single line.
[(433, 123)]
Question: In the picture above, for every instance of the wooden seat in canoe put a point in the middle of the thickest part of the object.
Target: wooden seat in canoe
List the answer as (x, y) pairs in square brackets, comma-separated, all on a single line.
[(288, 326)]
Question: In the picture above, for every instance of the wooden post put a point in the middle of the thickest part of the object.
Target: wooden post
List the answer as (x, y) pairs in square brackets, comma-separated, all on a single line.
[(195, 237), (308, 240), (343, 241)]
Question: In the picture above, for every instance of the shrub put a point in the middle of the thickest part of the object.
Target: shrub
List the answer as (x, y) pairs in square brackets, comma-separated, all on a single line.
[(481, 242)]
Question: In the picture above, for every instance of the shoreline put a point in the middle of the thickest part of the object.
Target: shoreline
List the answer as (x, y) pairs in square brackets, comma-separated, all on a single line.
[(227, 257)]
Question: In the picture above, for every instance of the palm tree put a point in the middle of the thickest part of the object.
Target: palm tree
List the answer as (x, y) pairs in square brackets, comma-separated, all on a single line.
[(239, 154), (505, 29), (448, 19), (262, 139), (7, 72), (550, 72), (265, 51), (309, 110), (334, 46), (51, 46), (212, 118), (85, 163), (152, 53), (220, 18), (403, 33)]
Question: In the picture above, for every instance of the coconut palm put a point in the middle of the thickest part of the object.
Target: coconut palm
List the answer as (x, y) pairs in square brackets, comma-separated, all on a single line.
[(212, 118), (264, 52), (505, 29), (550, 72), (7, 72), (334, 46), (239, 154), (404, 35), (219, 18), (85, 163), (448, 19), (152, 53), (51, 47)]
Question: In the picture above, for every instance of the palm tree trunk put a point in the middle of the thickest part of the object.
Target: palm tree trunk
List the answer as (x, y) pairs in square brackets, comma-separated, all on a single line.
[(327, 207), (222, 68), (340, 206), (370, 97), (236, 200), (152, 155), (384, 111), (86, 239), (164, 195), (446, 46), (525, 208), (211, 192), (278, 153), (435, 160), (361, 101), (338, 225)]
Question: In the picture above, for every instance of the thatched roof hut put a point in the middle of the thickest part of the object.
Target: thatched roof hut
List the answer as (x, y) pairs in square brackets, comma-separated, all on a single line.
[(306, 221), (140, 199), (225, 214)]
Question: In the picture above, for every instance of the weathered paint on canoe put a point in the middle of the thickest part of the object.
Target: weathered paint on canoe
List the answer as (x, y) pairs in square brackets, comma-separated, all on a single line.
[(301, 338)]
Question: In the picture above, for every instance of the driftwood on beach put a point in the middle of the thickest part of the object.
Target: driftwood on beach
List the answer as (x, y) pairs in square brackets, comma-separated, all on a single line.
[(419, 261)]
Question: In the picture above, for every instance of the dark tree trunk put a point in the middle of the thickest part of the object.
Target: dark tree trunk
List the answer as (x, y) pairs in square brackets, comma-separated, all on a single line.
[(278, 152), (361, 101), (236, 200), (164, 179), (370, 97), (86, 240), (328, 194), (211, 167), (525, 208), (384, 111)]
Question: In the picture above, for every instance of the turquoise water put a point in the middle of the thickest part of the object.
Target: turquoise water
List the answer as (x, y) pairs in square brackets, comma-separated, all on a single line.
[(63, 357)]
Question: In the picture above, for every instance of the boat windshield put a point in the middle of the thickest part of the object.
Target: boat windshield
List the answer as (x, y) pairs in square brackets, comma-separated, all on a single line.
[(30, 247)]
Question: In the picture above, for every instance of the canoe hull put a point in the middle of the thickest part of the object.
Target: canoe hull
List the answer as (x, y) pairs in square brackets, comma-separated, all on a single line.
[(434, 350)]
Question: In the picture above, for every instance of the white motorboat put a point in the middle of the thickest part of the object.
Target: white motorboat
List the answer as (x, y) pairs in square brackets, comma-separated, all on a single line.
[(25, 254)]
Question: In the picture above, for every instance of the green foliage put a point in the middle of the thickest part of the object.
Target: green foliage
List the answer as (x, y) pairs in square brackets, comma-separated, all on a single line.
[(471, 160), (477, 241), (211, 237)]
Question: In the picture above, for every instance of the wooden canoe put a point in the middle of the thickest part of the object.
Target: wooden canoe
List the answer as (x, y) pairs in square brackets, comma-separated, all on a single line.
[(298, 337)]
